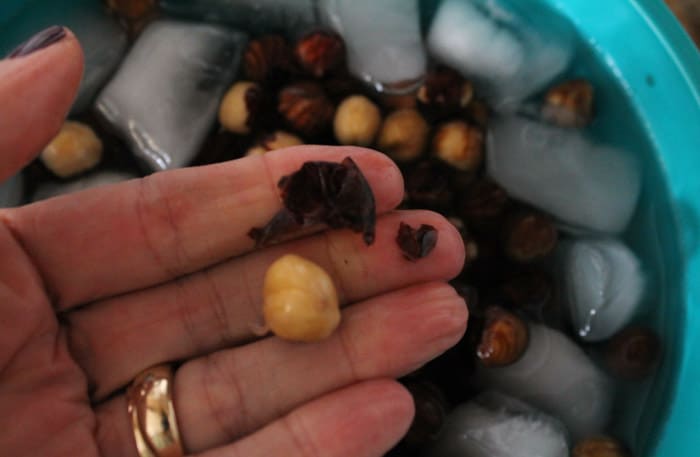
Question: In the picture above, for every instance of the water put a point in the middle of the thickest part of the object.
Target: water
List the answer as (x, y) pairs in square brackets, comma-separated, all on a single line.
[(164, 99)]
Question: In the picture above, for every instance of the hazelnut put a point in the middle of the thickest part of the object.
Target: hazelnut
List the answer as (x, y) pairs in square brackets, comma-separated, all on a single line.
[(504, 338), (357, 121), (471, 248), (240, 107), (634, 353), (483, 204), (528, 236), (132, 9), (74, 150), (320, 52), (479, 113), (306, 108), (569, 104), (599, 446), (531, 291), (300, 300), (445, 89), (404, 135), (277, 140), (460, 145), (268, 58), (427, 185), (430, 412)]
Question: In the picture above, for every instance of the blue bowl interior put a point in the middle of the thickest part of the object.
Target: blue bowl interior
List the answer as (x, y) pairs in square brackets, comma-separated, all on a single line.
[(647, 73)]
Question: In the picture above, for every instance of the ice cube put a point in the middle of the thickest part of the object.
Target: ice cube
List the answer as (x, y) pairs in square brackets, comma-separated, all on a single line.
[(259, 16), (556, 376), (11, 191), (584, 184), (164, 98), (383, 40), (602, 285), (103, 41), (510, 49), (54, 189), (494, 425)]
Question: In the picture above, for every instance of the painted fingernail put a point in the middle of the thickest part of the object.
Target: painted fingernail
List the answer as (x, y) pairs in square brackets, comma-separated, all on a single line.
[(41, 40)]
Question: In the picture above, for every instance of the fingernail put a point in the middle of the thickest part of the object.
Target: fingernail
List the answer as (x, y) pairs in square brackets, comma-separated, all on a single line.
[(41, 40)]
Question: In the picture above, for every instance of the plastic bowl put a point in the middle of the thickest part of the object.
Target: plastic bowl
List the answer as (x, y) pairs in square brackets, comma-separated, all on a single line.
[(647, 72)]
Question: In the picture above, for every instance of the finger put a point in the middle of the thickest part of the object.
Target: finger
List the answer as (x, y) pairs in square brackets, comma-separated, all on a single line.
[(37, 91), (140, 233), (213, 309), (232, 393)]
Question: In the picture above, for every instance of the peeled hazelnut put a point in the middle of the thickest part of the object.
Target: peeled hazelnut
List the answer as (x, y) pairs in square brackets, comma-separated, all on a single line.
[(357, 121), (569, 104), (503, 339), (444, 88), (306, 108), (74, 150), (404, 135), (320, 52), (599, 446), (277, 140), (529, 236), (460, 145), (132, 9), (300, 300), (268, 58), (633, 353), (483, 204), (240, 107)]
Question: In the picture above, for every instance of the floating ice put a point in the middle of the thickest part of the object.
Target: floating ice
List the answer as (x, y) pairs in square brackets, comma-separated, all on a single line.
[(93, 180), (164, 98), (383, 40), (556, 376), (11, 191), (494, 425), (602, 284), (510, 49), (587, 185)]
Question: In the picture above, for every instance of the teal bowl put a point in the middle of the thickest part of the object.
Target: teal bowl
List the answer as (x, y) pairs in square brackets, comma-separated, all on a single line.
[(647, 73)]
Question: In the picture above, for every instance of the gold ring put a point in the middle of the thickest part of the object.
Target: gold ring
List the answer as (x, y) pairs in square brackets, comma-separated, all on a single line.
[(150, 405)]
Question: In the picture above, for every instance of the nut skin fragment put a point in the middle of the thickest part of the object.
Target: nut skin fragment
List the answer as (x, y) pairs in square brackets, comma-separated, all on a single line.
[(300, 300), (74, 150), (306, 108), (416, 243), (600, 446), (320, 53), (240, 107), (459, 145), (633, 354), (569, 104), (357, 121), (403, 135), (529, 236), (277, 140), (504, 338)]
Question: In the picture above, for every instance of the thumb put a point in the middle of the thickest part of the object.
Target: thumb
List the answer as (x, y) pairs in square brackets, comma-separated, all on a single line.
[(38, 82)]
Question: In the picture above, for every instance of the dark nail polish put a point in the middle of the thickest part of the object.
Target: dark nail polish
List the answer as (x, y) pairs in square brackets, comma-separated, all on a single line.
[(41, 40)]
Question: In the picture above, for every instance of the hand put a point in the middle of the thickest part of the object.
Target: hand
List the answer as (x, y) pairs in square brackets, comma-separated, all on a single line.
[(97, 286)]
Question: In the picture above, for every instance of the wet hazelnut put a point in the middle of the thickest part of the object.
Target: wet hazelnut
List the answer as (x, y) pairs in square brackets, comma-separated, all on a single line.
[(634, 353), (276, 140), (300, 300), (471, 248), (357, 121), (460, 145), (599, 446), (74, 150), (483, 204), (430, 411), (403, 135), (306, 108), (504, 338), (427, 185), (530, 291), (529, 236), (569, 104), (268, 58), (444, 88), (240, 107), (132, 9), (320, 52)]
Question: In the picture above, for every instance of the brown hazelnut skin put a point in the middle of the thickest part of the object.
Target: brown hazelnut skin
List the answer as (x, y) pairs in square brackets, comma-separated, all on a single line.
[(483, 205), (403, 135), (504, 338), (633, 353), (459, 145), (276, 140), (320, 52), (569, 104), (357, 121), (528, 236), (268, 58), (240, 107), (74, 150), (599, 446), (306, 108)]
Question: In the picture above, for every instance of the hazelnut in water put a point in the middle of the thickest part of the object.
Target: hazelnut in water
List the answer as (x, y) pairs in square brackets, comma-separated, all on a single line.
[(504, 338), (569, 104), (320, 52), (357, 121), (300, 300), (240, 106), (459, 145), (306, 108), (74, 150), (404, 135)]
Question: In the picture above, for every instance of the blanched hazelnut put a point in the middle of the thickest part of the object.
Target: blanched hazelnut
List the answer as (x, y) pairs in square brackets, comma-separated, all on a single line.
[(460, 145), (300, 300), (357, 121), (404, 135), (569, 104), (74, 150), (240, 106), (277, 140), (599, 446)]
